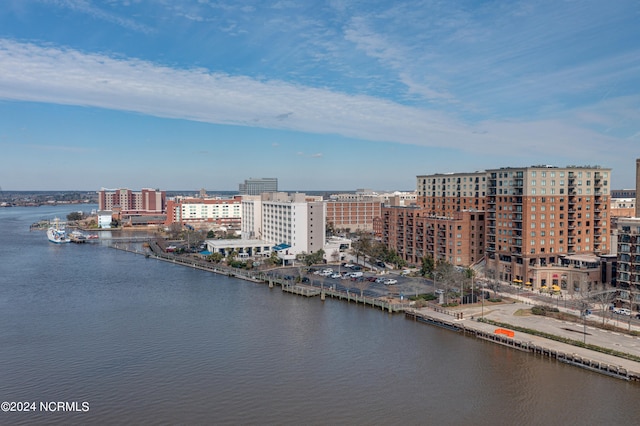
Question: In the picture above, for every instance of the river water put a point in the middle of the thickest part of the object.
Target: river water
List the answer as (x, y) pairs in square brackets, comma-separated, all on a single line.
[(126, 339)]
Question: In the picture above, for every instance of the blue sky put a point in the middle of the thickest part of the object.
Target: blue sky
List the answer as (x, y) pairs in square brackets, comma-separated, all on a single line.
[(190, 94)]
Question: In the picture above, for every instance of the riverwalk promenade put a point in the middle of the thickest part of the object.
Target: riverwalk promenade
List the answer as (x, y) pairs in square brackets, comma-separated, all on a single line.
[(475, 320)]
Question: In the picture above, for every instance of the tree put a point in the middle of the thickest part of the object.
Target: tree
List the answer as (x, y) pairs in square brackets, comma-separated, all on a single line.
[(75, 216), (603, 300), (215, 257), (361, 245), (446, 275), (313, 258), (211, 234), (427, 266)]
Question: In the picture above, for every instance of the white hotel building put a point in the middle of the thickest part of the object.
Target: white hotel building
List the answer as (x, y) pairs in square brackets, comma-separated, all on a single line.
[(294, 223)]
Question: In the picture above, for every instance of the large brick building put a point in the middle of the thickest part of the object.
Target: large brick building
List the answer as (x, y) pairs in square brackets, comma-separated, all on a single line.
[(128, 202), (540, 214), (522, 221)]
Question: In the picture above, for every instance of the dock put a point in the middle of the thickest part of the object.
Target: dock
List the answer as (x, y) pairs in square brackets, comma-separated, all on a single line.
[(579, 357)]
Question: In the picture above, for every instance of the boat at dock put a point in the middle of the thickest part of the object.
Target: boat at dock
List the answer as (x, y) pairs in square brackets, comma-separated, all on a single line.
[(57, 233)]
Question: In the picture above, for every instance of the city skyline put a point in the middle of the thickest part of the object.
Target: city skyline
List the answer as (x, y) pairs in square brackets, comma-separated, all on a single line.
[(192, 94)]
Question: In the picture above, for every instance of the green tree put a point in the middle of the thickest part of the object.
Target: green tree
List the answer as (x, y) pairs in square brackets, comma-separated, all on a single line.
[(74, 216), (427, 266), (215, 257), (211, 234)]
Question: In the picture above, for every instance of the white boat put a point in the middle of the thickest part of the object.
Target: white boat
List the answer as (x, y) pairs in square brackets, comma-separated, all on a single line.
[(56, 233)]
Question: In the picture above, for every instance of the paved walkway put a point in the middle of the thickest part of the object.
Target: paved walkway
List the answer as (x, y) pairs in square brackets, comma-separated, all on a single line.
[(512, 313)]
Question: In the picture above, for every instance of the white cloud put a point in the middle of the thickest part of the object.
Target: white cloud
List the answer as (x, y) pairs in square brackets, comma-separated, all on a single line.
[(30, 72)]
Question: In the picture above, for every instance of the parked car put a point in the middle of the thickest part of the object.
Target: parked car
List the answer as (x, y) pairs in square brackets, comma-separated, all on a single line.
[(380, 280), (335, 275), (390, 281), (381, 264), (356, 274)]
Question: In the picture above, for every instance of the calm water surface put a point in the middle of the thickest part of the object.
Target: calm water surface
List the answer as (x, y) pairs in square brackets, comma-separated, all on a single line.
[(148, 342)]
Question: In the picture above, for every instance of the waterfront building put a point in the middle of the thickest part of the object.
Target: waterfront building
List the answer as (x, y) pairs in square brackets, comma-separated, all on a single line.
[(446, 222), (196, 211), (244, 249), (628, 262), (415, 233), (128, 202), (253, 186), (540, 214), (294, 223), (104, 219)]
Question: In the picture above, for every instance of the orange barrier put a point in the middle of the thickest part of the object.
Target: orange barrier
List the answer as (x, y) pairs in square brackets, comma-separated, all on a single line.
[(507, 333)]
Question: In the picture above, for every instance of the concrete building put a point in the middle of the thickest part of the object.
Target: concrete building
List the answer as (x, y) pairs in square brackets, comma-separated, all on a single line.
[(253, 186), (623, 207), (538, 215), (104, 219), (294, 223), (243, 248), (128, 202), (628, 262), (193, 211)]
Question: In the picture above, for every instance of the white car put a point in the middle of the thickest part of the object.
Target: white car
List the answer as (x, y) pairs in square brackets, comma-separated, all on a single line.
[(335, 275), (390, 281)]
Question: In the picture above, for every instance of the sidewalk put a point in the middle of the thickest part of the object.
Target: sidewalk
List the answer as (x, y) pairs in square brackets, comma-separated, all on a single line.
[(515, 315)]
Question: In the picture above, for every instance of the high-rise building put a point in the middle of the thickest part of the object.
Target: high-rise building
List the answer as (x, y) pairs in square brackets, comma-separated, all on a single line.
[(538, 214), (253, 186), (294, 222), (628, 262)]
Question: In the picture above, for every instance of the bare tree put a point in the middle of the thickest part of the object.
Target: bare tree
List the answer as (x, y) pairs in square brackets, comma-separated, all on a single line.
[(603, 300)]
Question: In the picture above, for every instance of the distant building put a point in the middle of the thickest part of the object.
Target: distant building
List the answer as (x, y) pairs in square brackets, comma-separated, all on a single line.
[(220, 211), (353, 215), (128, 202), (623, 193), (258, 186), (623, 207), (104, 219)]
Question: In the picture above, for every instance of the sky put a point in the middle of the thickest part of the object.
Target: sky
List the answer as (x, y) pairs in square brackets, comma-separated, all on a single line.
[(323, 95)]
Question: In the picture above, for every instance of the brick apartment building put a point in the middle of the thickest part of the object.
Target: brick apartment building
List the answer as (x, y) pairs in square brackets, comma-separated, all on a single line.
[(127, 202)]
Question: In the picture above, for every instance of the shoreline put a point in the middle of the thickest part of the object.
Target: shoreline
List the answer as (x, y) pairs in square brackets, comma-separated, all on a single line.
[(453, 320)]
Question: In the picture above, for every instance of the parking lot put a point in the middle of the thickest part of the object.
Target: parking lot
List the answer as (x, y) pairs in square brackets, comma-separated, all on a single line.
[(354, 279)]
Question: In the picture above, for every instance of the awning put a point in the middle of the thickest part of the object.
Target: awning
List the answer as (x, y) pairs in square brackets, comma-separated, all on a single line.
[(527, 283), (281, 246)]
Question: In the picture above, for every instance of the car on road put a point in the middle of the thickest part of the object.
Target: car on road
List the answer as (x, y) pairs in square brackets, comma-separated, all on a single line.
[(390, 281), (622, 311), (380, 280), (335, 275)]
